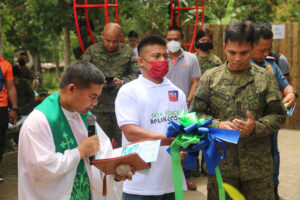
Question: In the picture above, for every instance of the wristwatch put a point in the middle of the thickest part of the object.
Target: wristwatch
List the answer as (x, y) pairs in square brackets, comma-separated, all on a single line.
[(15, 108), (295, 93)]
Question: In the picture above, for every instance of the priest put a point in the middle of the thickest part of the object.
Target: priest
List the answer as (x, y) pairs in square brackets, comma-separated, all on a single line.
[(54, 147)]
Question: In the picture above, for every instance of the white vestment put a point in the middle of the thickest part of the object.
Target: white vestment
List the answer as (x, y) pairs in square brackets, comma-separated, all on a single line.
[(47, 174)]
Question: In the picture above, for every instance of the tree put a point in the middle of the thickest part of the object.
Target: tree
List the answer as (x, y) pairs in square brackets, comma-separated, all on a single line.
[(35, 23)]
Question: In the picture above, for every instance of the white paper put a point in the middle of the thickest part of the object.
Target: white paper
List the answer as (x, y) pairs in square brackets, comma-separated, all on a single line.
[(147, 150), (18, 122), (278, 31)]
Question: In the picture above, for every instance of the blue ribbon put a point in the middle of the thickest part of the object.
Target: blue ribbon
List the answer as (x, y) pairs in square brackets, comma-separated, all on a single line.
[(210, 138)]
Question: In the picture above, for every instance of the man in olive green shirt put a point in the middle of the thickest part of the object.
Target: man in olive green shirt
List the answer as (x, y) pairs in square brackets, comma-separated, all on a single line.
[(118, 64), (242, 96)]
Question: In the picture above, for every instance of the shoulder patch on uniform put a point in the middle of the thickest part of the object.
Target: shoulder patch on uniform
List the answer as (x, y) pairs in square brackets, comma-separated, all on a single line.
[(270, 58), (269, 68)]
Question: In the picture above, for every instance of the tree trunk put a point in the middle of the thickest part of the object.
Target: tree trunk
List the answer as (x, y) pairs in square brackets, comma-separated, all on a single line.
[(56, 58), (67, 56), (1, 41), (36, 61)]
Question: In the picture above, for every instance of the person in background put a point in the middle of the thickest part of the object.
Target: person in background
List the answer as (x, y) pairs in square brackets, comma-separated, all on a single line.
[(204, 45), (184, 72), (7, 93), (133, 38), (36, 82), (24, 71), (25, 93), (279, 58), (43, 94), (28, 60), (85, 36), (118, 63), (259, 56)]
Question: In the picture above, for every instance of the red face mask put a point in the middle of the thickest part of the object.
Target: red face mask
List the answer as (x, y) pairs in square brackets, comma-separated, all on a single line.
[(158, 69)]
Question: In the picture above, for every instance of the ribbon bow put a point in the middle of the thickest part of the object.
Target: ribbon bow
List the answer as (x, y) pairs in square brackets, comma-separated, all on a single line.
[(192, 135)]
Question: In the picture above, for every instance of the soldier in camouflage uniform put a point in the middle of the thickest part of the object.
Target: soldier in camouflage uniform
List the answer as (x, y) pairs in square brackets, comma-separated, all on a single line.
[(242, 96), (203, 43), (118, 64), (25, 93)]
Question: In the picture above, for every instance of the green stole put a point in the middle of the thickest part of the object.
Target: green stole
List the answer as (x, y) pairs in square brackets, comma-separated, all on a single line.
[(64, 139)]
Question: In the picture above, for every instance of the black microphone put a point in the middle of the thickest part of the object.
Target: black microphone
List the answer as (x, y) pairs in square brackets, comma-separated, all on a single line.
[(90, 120)]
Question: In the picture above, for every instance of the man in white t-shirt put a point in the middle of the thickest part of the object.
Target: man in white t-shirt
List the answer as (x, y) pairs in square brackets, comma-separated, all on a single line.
[(143, 109)]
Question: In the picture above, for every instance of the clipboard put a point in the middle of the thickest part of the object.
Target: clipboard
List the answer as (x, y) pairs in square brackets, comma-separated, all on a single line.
[(109, 165)]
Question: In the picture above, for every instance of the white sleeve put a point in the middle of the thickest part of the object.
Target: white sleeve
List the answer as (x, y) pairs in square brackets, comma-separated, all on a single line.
[(126, 108), (37, 150)]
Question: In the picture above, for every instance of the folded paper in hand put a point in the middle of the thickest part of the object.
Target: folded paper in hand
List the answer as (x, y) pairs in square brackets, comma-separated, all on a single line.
[(137, 155)]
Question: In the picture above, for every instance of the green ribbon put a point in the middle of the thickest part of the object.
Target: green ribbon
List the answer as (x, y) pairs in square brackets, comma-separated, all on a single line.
[(184, 140), (176, 171), (220, 184)]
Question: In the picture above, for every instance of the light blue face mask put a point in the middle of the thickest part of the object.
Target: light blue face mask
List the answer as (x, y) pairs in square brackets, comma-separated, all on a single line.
[(174, 46)]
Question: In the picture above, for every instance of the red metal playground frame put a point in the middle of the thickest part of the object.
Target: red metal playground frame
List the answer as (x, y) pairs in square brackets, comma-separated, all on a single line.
[(106, 5), (196, 7)]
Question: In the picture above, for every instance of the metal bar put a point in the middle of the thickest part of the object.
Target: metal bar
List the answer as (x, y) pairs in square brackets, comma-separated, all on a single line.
[(172, 12), (77, 25), (202, 18), (178, 13), (117, 19), (88, 23), (195, 28), (95, 5), (106, 11), (188, 8)]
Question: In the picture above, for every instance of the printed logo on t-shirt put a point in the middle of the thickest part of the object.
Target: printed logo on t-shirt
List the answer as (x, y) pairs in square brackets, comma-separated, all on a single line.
[(164, 117), (173, 95)]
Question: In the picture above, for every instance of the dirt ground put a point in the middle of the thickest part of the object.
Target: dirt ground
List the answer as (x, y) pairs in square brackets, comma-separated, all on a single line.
[(289, 178)]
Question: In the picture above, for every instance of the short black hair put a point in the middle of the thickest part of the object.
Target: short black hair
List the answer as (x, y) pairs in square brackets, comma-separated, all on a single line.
[(203, 32), (133, 34), (23, 54), (150, 40), (82, 74), (175, 28), (16, 71), (239, 32), (263, 30)]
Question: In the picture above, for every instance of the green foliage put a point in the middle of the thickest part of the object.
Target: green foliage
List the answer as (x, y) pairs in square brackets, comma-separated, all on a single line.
[(144, 15), (227, 11), (36, 25), (50, 81), (289, 10)]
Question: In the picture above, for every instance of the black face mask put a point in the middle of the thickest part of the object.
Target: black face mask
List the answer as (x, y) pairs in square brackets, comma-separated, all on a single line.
[(21, 62), (205, 46)]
